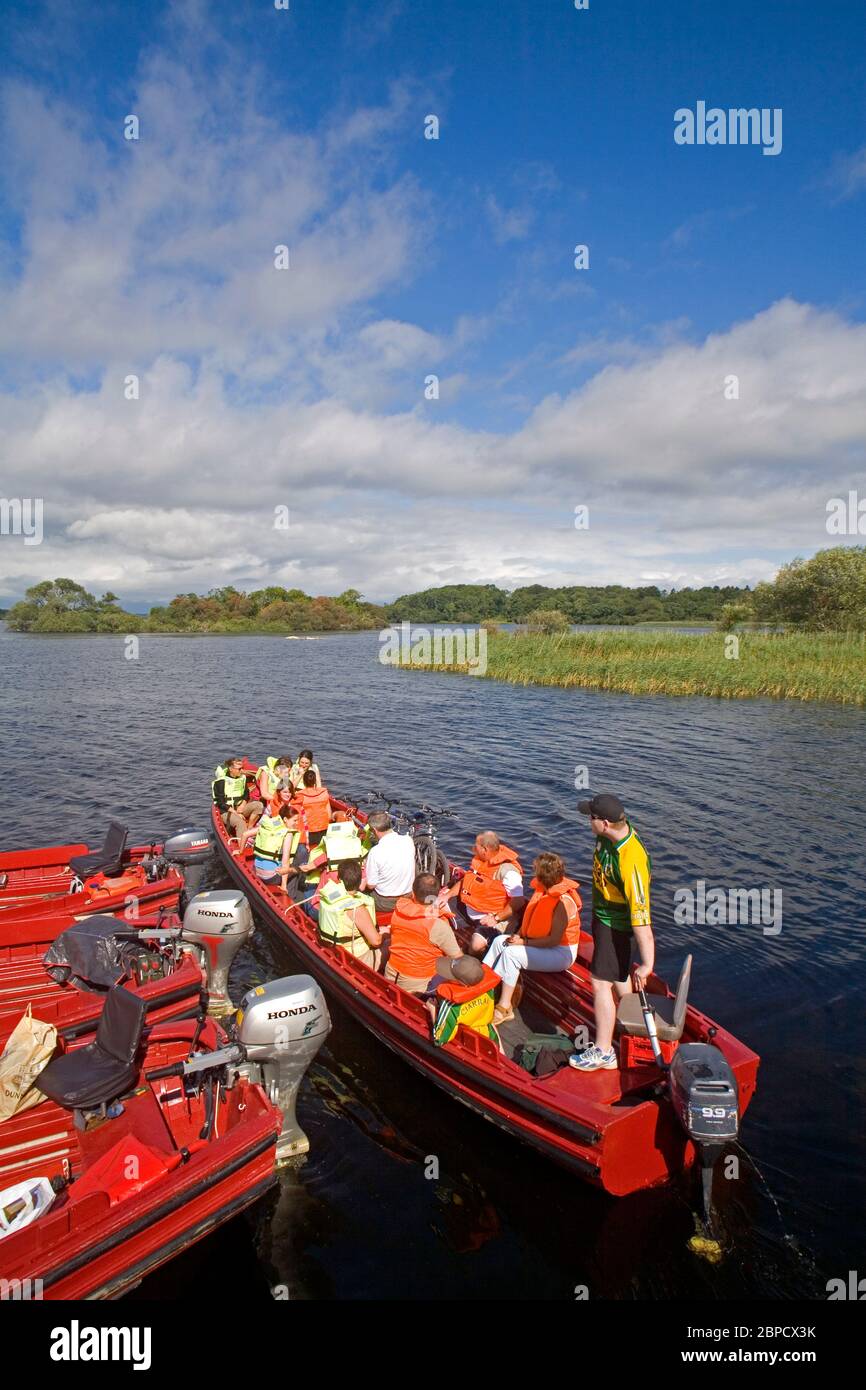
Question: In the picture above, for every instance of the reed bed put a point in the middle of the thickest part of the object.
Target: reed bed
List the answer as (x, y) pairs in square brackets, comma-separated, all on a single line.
[(824, 667)]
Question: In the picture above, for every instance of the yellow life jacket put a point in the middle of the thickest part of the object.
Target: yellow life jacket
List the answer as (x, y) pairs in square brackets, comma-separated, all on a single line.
[(235, 787), (335, 921), (271, 832)]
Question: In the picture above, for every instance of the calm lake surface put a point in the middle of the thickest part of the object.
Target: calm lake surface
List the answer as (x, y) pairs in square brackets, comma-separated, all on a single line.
[(749, 794)]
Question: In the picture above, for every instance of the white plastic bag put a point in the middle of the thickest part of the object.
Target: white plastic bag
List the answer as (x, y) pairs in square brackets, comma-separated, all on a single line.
[(23, 1203), (29, 1048)]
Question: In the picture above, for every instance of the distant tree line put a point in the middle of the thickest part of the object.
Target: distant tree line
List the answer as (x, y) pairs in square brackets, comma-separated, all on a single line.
[(579, 603), (61, 605), (824, 594)]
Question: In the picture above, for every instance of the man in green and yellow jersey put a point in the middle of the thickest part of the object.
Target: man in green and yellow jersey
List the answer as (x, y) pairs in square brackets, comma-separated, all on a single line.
[(621, 872)]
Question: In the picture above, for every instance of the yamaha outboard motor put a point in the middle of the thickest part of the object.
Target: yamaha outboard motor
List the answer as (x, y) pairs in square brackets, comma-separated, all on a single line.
[(704, 1093), (281, 1027), (190, 850), (218, 923)]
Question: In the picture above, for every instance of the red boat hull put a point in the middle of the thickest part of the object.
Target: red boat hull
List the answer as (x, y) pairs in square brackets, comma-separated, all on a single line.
[(598, 1125), (103, 1242)]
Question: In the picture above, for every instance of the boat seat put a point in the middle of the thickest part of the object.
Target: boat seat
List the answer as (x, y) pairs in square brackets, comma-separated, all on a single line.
[(669, 1014), (109, 859), (94, 1075)]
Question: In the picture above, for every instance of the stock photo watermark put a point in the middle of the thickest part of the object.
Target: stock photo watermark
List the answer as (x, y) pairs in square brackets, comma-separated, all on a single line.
[(409, 645), (735, 126), (846, 516), (719, 907), (22, 516)]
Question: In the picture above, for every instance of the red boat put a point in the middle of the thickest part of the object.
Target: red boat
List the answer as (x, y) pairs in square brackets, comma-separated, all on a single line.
[(148, 1142), (75, 881), (621, 1130), (63, 967), (172, 985)]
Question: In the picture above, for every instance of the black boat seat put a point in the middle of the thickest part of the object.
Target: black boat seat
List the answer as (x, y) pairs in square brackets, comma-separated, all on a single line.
[(94, 1075), (109, 859), (669, 1014)]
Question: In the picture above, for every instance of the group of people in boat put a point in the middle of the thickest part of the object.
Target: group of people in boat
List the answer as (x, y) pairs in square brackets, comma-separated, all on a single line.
[(370, 900)]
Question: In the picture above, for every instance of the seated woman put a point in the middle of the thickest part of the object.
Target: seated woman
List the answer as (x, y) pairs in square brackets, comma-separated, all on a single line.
[(549, 933), (304, 764), (273, 774), (275, 842), (347, 917)]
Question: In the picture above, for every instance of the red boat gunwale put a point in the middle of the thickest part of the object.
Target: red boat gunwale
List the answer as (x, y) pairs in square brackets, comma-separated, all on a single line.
[(600, 1125)]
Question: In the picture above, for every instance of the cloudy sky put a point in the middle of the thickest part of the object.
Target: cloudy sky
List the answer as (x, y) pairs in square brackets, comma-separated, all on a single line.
[(263, 388)]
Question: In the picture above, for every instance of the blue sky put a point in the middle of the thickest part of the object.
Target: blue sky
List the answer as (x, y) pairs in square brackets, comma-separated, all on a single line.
[(409, 256)]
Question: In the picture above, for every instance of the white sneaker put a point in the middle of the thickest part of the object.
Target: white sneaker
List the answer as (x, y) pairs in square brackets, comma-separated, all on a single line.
[(593, 1059)]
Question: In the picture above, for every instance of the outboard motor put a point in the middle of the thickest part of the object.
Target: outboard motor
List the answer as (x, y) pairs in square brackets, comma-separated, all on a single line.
[(218, 923), (704, 1094), (190, 850), (281, 1027)]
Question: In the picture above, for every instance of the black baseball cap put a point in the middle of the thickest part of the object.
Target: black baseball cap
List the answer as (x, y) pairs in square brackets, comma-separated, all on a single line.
[(605, 806)]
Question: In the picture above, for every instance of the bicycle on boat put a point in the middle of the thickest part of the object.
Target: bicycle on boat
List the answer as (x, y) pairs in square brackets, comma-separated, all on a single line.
[(421, 824)]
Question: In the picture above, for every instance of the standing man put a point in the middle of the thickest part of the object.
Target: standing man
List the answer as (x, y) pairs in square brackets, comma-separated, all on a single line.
[(621, 871), (390, 867)]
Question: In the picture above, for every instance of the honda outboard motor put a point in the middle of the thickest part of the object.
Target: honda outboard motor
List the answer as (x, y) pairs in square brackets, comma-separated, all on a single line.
[(281, 1026), (218, 923), (704, 1093), (190, 850)]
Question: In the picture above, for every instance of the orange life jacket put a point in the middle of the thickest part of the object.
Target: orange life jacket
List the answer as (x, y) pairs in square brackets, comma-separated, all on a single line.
[(480, 889), (132, 878), (538, 917), (412, 951), (456, 993), (315, 805)]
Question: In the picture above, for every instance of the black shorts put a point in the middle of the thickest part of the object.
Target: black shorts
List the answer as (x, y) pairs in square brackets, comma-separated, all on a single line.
[(611, 953)]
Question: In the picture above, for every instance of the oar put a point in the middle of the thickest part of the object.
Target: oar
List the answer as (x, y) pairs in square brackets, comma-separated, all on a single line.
[(649, 1023)]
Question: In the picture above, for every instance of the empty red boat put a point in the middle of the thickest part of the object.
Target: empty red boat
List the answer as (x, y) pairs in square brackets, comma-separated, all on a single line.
[(73, 880), (622, 1130), (150, 1139), (64, 967)]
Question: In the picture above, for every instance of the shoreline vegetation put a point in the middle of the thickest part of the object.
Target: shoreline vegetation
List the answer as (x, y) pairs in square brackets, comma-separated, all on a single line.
[(824, 667), (63, 606)]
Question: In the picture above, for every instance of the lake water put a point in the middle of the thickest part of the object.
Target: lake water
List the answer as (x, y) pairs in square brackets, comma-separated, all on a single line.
[(745, 794)]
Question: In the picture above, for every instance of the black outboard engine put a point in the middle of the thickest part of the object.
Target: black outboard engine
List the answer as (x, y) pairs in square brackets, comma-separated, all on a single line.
[(704, 1094), (190, 850)]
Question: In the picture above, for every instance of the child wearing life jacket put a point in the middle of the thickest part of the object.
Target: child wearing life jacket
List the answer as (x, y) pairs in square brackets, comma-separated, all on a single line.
[(464, 994)]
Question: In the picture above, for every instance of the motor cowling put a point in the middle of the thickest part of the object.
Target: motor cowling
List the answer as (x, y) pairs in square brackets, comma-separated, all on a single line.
[(188, 847), (282, 1026), (218, 923), (704, 1093)]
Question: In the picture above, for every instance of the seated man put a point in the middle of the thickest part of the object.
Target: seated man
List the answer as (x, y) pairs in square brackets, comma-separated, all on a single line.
[(490, 893), (229, 789), (465, 990), (314, 807), (276, 839), (347, 917), (420, 935), (549, 932)]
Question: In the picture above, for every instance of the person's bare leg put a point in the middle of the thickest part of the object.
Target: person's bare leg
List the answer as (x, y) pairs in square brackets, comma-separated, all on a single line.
[(604, 1004)]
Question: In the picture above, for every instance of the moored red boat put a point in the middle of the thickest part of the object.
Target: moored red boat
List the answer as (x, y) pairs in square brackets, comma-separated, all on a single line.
[(151, 1141), (621, 1130), (64, 968), (74, 881)]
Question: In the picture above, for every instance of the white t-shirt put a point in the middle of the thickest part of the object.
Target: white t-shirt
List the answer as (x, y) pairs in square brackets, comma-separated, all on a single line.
[(390, 865), (511, 882)]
